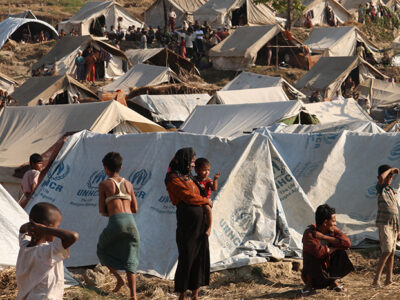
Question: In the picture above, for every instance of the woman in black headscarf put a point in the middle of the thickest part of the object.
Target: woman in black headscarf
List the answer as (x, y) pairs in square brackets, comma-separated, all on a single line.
[(193, 269)]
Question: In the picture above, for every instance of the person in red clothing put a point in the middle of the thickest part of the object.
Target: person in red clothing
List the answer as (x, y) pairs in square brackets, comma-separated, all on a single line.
[(193, 270), (207, 186), (90, 62), (325, 259)]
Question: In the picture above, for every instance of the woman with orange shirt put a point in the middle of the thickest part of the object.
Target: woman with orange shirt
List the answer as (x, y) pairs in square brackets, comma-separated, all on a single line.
[(193, 270)]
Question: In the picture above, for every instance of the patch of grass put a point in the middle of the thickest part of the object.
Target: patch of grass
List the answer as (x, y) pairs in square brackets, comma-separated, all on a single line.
[(66, 3)]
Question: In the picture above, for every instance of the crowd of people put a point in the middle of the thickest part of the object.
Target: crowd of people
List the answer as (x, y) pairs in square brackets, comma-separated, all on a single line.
[(5, 99), (326, 261)]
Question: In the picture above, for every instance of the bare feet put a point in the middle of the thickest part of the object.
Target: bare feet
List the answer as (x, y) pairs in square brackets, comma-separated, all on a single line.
[(120, 284), (376, 283), (388, 282)]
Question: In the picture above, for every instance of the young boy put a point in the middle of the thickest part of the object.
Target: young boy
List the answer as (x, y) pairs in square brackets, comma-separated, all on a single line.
[(31, 178), (40, 270), (387, 221), (202, 168)]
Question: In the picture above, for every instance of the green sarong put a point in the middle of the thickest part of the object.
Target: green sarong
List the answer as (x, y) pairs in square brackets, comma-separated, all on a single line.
[(118, 245)]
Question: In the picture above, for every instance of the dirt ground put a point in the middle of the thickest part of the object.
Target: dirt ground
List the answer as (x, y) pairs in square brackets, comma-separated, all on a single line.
[(271, 280)]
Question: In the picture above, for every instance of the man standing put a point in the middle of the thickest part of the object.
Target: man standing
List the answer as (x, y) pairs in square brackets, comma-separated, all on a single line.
[(324, 257), (172, 20)]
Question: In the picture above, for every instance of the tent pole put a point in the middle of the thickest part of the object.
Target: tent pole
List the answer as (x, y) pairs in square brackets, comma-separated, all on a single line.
[(277, 53)]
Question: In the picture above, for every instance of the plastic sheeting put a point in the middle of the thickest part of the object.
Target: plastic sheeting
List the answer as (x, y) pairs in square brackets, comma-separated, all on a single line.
[(10, 25), (7, 84), (333, 127), (379, 92), (340, 169), (171, 107), (256, 193), (141, 75), (316, 8), (237, 119)]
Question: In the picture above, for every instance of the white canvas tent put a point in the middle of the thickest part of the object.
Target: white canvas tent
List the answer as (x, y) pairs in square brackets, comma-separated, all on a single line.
[(379, 92), (237, 119), (239, 50), (328, 74), (254, 215), (12, 28), (27, 130), (331, 127), (141, 75), (338, 110), (7, 84), (260, 95), (325, 166), (170, 107), (353, 5), (248, 80), (317, 10), (338, 41), (160, 57), (63, 86), (220, 13), (93, 14), (154, 15), (62, 56), (27, 14)]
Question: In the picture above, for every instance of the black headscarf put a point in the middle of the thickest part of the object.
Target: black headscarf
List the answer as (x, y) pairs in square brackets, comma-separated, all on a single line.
[(180, 164)]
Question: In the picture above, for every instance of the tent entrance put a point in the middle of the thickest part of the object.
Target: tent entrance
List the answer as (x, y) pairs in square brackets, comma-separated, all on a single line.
[(30, 32), (239, 16), (62, 98), (96, 25)]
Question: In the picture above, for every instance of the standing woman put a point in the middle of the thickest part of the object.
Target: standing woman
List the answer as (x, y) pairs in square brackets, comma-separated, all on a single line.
[(118, 246), (193, 269)]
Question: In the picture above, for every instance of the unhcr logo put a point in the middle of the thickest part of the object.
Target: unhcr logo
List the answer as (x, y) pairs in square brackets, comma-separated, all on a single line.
[(61, 171), (96, 178), (139, 178), (395, 153), (371, 192)]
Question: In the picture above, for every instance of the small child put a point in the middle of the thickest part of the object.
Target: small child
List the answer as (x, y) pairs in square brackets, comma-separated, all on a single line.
[(387, 221), (31, 178), (202, 168), (40, 269)]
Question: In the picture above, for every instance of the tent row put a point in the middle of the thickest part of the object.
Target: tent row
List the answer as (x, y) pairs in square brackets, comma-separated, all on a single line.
[(282, 185)]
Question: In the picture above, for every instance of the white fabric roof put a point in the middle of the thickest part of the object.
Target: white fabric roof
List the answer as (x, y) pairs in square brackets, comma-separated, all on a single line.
[(328, 74), (154, 15), (239, 50), (171, 107), (260, 95), (26, 130), (7, 84), (317, 9), (337, 41), (10, 25), (141, 75), (139, 56), (246, 201), (331, 127), (111, 10), (234, 120), (248, 80), (217, 12), (379, 92), (337, 110)]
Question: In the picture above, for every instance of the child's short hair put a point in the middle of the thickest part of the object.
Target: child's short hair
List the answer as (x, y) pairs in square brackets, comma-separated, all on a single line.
[(324, 212), (44, 213), (113, 161), (201, 162), (35, 158), (383, 168)]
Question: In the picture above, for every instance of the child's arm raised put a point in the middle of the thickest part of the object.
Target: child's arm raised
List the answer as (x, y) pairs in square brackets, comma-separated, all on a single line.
[(214, 184), (384, 175), (67, 237)]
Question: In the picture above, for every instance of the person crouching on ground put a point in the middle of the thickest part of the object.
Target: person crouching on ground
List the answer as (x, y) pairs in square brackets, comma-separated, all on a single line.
[(387, 221), (40, 268), (30, 179), (324, 257), (118, 245)]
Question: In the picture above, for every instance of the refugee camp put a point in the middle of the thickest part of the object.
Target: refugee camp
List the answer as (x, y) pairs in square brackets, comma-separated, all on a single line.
[(199, 149)]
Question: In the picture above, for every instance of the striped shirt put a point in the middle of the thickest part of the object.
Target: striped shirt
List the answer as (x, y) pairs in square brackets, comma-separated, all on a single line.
[(388, 212)]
